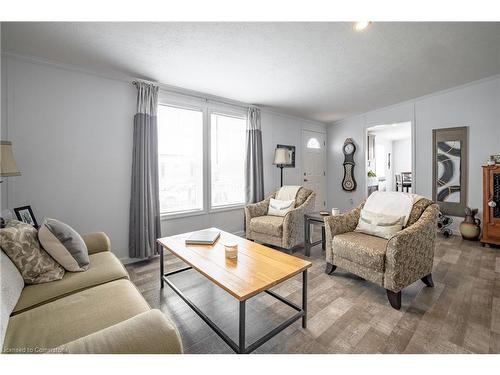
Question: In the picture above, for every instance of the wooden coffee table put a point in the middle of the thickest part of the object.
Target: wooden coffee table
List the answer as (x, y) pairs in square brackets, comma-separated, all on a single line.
[(256, 270)]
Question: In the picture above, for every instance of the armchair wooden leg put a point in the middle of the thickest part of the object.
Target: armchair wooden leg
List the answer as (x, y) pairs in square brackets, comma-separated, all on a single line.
[(427, 280), (330, 268), (394, 299)]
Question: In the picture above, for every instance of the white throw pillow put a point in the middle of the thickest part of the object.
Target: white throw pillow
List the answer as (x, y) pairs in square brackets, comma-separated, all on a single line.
[(280, 208), (379, 225), (12, 285)]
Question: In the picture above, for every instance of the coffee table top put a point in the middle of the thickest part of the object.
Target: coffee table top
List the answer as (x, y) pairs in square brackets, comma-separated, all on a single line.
[(256, 269)]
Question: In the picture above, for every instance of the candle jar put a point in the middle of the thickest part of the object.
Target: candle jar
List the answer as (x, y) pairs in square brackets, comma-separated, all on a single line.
[(231, 249)]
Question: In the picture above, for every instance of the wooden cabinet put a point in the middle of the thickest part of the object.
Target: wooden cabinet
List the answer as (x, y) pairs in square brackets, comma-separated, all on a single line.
[(491, 215)]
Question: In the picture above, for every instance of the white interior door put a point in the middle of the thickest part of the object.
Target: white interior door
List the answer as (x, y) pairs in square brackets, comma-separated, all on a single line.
[(314, 165)]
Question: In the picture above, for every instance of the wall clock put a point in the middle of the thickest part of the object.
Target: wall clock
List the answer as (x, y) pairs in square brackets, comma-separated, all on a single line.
[(348, 182)]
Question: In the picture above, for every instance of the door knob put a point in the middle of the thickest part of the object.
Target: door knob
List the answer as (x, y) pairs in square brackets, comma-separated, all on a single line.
[(305, 179)]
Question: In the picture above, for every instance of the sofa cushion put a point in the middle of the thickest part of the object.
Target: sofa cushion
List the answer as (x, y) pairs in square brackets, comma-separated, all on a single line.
[(12, 285), (20, 243), (147, 333), (64, 244), (104, 267), (74, 316), (363, 249), (272, 225)]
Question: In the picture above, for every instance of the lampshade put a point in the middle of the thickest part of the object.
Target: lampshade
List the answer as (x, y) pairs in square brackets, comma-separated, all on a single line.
[(282, 156), (8, 167)]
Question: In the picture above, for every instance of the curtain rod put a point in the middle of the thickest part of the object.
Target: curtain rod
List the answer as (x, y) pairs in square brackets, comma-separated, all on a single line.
[(207, 99)]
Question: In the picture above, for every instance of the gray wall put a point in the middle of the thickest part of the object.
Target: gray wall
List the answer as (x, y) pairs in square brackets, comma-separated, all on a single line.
[(401, 152), (476, 105), (72, 136)]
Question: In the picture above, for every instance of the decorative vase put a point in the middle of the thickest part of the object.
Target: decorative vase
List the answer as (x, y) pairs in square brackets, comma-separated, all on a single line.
[(470, 228)]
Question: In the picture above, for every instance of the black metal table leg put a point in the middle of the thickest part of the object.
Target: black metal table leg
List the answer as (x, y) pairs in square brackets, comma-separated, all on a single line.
[(162, 268), (323, 238), (307, 237), (304, 298), (242, 327)]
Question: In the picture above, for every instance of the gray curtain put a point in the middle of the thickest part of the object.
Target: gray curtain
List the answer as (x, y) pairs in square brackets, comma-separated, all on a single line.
[(254, 168), (144, 227)]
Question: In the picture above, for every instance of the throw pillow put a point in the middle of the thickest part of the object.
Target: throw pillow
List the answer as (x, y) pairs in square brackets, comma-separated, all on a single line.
[(280, 208), (379, 225), (20, 243), (64, 244), (12, 286)]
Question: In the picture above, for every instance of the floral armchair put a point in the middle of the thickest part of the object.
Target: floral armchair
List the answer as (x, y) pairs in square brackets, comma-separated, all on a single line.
[(395, 263), (286, 232)]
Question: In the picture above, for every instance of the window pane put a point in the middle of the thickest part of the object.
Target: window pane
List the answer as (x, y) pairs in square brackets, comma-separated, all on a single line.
[(313, 143), (180, 152), (227, 160)]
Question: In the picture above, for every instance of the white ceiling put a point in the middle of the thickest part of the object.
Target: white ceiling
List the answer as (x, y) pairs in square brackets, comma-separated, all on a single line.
[(321, 71), (392, 132)]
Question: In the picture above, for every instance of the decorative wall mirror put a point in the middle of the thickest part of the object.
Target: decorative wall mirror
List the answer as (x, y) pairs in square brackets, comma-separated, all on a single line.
[(449, 169)]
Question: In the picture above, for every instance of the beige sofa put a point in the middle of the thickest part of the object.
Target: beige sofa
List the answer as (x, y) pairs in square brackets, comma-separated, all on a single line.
[(393, 264), (96, 311), (286, 232)]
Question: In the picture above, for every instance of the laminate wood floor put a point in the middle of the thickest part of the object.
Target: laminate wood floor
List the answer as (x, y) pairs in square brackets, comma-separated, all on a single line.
[(461, 314)]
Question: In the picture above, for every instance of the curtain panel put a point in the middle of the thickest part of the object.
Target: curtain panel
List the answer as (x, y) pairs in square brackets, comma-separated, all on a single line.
[(144, 226), (254, 168)]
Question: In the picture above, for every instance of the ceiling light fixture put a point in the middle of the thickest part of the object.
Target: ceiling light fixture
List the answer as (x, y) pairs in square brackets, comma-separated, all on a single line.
[(361, 26)]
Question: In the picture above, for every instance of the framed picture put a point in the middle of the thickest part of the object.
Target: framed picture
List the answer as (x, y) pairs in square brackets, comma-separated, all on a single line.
[(495, 158), (449, 169), (25, 214), (291, 152)]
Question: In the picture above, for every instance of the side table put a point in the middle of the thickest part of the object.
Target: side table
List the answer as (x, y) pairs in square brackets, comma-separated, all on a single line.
[(313, 218)]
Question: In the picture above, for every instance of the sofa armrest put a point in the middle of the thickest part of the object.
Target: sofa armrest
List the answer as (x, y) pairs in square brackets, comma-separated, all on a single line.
[(146, 333), (97, 242), (293, 223), (338, 224), (410, 253), (255, 210)]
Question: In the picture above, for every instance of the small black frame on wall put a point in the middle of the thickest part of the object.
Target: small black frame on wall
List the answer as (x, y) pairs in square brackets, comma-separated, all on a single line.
[(291, 151), (25, 214)]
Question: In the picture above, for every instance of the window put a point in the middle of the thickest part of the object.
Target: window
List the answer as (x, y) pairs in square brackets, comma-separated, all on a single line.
[(227, 162), (313, 143), (180, 153)]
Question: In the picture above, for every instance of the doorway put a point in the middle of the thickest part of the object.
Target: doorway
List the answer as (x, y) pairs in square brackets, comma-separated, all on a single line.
[(389, 158), (313, 151)]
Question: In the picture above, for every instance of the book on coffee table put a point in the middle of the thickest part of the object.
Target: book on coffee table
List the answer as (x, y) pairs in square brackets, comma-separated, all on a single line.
[(203, 237)]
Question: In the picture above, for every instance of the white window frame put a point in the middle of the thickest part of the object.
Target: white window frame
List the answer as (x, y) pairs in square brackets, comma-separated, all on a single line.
[(180, 101), (203, 110), (217, 110)]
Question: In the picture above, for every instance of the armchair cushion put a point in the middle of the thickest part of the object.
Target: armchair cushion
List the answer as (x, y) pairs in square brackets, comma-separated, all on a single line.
[(271, 225), (417, 210), (302, 196), (363, 249)]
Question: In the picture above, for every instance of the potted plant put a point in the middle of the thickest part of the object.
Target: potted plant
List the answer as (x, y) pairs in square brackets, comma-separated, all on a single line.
[(372, 178)]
